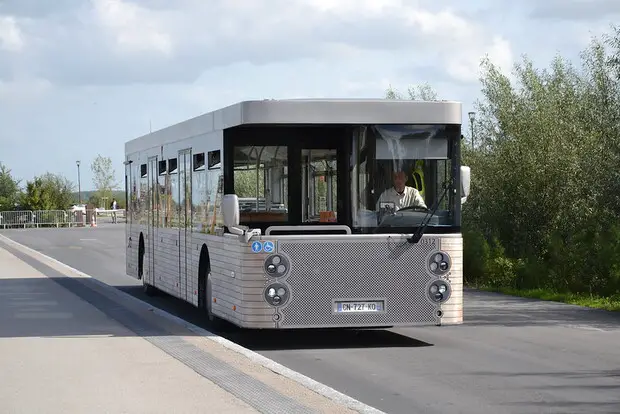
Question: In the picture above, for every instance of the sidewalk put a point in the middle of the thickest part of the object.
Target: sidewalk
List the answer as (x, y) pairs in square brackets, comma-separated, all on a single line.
[(61, 354)]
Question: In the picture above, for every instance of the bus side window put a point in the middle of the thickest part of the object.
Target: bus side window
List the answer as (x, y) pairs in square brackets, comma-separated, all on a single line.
[(260, 182)]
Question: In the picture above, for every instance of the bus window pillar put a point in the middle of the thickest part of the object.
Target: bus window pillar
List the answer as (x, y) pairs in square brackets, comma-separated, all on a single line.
[(330, 190), (275, 185)]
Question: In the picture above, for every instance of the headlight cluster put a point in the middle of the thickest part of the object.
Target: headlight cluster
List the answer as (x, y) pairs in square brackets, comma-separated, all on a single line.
[(276, 294), (439, 263), (439, 291), (276, 265)]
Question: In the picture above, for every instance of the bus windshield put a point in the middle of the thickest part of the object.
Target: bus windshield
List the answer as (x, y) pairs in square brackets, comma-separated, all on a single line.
[(399, 173)]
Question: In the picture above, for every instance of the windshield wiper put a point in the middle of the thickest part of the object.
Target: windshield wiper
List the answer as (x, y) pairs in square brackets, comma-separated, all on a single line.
[(417, 235)]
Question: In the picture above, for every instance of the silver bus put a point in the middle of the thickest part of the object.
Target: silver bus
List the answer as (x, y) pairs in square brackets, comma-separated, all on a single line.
[(303, 213)]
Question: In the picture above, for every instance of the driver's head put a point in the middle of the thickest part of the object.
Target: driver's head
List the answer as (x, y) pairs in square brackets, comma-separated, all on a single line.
[(399, 178)]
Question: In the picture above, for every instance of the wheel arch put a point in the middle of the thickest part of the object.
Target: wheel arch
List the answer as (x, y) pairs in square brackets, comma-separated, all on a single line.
[(204, 265), (141, 253)]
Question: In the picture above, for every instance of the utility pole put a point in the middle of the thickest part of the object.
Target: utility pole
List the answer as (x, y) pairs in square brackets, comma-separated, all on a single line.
[(79, 184), (472, 118)]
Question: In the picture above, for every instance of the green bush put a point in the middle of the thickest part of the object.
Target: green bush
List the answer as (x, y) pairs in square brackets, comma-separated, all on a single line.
[(476, 254), (544, 210), (587, 262), (543, 215)]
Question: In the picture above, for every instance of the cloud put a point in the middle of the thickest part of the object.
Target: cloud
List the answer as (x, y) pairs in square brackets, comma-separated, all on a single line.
[(108, 42), (23, 91), (132, 28), (576, 10), (11, 39), (84, 76), (36, 8)]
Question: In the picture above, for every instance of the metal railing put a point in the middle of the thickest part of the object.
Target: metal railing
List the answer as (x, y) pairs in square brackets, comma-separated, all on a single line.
[(59, 218)]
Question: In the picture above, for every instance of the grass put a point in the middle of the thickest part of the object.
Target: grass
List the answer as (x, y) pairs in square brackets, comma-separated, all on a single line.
[(610, 303)]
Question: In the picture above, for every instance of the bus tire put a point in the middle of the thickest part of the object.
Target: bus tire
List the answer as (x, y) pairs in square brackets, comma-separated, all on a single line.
[(146, 288), (149, 290), (205, 297), (141, 257)]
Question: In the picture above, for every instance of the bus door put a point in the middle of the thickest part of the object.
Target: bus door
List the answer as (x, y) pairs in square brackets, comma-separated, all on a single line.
[(153, 216), (185, 221)]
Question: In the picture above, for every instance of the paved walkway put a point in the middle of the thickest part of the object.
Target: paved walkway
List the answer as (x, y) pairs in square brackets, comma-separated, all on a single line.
[(60, 353)]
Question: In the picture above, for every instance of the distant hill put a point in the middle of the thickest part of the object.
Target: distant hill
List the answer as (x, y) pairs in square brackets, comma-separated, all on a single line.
[(88, 194), (90, 198)]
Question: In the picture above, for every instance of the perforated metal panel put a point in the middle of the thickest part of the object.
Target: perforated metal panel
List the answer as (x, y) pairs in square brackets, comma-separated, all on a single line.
[(388, 269)]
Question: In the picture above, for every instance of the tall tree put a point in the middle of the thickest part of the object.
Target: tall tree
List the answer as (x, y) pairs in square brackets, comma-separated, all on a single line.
[(545, 195), (104, 178), (543, 187), (48, 192), (9, 189)]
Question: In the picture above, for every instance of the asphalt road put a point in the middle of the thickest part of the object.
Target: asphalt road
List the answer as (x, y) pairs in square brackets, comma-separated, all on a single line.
[(511, 356)]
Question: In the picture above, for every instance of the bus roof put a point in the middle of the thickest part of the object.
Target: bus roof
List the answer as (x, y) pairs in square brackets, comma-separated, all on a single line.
[(304, 111)]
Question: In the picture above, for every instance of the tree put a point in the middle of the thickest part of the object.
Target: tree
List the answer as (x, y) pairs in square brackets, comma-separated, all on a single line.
[(544, 189), (48, 192), (423, 92), (104, 177), (545, 195), (9, 189)]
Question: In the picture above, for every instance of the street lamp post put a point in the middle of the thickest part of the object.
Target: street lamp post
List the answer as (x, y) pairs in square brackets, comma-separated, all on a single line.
[(472, 118), (79, 184)]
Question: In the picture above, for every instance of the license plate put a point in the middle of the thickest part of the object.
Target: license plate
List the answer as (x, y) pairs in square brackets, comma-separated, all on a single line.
[(355, 307)]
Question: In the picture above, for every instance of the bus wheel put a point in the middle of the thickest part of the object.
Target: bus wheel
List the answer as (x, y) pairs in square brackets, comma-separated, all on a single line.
[(148, 289), (205, 298), (141, 257)]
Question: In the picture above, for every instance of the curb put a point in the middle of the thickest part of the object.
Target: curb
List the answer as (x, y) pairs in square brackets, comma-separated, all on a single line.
[(255, 357)]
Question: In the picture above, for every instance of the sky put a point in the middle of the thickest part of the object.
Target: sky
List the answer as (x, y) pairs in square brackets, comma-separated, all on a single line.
[(79, 78)]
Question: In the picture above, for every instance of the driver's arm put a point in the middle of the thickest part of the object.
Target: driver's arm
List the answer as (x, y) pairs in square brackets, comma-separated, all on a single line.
[(416, 199)]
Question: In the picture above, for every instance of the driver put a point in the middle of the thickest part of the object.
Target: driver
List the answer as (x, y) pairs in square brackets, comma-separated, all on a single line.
[(400, 194)]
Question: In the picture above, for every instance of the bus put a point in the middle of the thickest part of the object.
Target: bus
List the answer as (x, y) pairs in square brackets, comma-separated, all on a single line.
[(303, 213)]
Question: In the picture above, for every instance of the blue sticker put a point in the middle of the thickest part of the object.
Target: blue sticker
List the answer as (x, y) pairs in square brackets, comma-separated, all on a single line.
[(257, 246), (268, 247)]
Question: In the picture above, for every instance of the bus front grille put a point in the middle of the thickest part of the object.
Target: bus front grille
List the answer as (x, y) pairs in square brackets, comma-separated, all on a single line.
[(388, 269)]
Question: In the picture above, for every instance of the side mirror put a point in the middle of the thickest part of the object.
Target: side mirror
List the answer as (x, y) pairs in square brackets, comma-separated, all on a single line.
[(465, 182), (230, 211)]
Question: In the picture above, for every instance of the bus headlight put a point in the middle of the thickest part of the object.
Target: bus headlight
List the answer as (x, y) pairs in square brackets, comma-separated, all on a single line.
[(439, 291), (276, 265), (276, 294), (439, 263)]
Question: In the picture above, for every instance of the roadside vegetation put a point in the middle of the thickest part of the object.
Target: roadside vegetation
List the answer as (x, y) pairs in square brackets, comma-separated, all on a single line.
[(55, 192), (543, 217)]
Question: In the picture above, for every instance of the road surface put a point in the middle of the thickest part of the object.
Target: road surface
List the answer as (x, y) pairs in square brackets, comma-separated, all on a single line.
[(512, 355)]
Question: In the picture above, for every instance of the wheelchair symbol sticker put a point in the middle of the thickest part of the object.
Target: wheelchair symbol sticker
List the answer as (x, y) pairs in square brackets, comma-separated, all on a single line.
[(268, 247)]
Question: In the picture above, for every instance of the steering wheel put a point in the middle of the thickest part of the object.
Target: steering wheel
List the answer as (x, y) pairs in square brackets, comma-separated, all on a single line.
[(418, 208)]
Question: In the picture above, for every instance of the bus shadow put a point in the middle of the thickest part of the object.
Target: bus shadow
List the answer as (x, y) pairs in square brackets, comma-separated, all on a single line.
[(260, 340), (269, 340)]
